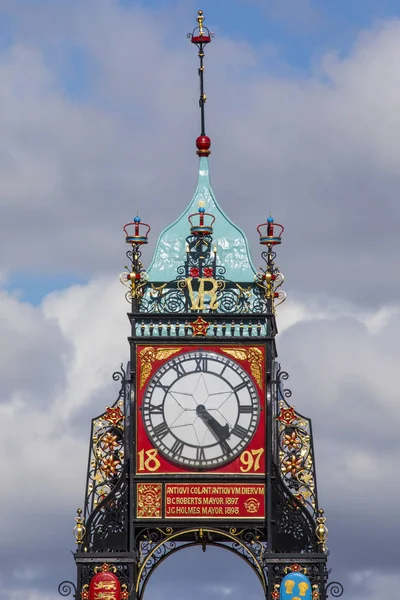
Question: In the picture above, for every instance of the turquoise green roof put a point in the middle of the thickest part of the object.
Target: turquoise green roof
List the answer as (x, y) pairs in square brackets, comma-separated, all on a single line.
[(232, 246)]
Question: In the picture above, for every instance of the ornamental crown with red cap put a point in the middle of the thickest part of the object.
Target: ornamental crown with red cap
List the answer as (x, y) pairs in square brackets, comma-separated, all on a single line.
[(270, 232), (201, 223), (136, 233)]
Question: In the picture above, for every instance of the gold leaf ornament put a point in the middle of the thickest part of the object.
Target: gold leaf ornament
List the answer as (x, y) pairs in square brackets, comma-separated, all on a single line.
[(238, 354), (148, 355), (163, 353), (255, 358)]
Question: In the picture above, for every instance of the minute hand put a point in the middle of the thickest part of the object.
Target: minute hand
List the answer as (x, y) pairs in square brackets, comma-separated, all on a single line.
[(221, 432)]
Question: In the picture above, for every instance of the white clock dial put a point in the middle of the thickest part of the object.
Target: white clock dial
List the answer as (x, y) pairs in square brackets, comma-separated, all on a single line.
[(201, 410)]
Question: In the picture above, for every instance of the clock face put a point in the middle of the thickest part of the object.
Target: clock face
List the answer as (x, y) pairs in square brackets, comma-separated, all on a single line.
[(200, 410)]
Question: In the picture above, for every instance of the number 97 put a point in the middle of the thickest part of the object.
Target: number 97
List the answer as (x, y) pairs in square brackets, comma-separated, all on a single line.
[(250, 460)]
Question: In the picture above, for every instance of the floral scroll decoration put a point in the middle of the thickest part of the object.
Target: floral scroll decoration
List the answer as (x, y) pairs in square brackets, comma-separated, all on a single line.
[(106, 453), (296, 456), (135, 277), (149, 497), (148, 355), (255, 358)]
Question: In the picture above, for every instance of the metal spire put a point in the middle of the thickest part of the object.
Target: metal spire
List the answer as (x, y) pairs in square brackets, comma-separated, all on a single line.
[(201, 36)]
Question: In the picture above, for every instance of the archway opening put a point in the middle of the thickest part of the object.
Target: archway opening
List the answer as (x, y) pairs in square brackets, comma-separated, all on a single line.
[(191, 574)]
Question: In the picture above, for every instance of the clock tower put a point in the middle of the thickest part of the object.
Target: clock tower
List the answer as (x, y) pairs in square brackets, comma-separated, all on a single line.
[(202, 445)]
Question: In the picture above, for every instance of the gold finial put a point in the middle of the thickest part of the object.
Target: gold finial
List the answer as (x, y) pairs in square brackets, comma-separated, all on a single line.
[(321, 531), (200, 19), (79, 529)]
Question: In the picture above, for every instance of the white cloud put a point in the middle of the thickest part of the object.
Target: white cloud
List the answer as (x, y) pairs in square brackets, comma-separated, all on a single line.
[(373, 583), (320, 152), (218, 590)]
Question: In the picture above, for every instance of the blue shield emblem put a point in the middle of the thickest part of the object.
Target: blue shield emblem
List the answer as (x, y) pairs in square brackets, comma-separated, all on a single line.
[(295, 586)]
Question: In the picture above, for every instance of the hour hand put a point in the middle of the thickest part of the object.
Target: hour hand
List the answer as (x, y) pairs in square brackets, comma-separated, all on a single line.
[(221, 432)]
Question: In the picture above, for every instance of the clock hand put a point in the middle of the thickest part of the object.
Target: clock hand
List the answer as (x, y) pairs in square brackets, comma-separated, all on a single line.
[(221, 432)]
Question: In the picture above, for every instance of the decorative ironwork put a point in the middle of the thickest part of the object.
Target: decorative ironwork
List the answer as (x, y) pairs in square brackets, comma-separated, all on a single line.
[(295, 451), (334, 589), (200, 286), (156, 544), (136, 277), (106, 450), (293, 528), (270, 279), (107, 526), (66, 588)]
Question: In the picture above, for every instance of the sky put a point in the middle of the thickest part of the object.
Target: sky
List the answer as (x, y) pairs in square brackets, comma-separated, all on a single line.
[(98, 119)]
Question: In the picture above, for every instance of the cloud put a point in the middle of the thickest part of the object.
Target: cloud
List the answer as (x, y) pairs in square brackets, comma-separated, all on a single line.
[(299, 15), (320, 151), (370, 584), (343, 375)]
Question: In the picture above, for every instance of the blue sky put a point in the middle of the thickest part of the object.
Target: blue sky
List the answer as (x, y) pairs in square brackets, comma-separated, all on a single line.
[(289, 36), (99, 114)]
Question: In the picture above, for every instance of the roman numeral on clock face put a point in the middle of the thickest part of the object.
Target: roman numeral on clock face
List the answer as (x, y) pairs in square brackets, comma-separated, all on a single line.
[(241, 386), (156, 409), (161, 430), (178, 368), (240, 431), (200, 454), (177, 448), (245, 408), (201, 364), (164, 388)]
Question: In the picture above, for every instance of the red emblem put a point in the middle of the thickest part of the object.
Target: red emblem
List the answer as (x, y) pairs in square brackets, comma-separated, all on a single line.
[(287, 416), (114, 415), (194, 272), (105, 586), (199, 326), (207, 272)]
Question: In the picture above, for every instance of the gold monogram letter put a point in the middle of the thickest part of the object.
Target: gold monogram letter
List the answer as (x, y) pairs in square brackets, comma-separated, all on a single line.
[(198, 302)]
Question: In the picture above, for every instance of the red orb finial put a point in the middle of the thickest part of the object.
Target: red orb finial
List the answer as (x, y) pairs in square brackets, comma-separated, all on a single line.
[(203, 144)]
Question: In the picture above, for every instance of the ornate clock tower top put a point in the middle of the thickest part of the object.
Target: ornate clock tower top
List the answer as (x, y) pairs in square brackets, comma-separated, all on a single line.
[(229, 239), (202, 262)]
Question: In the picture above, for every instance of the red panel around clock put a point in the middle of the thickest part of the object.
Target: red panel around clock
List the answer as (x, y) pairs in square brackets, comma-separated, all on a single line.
[(201, 408)]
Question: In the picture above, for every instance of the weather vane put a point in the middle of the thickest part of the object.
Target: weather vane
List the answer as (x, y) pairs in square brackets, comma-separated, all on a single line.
[(201, 36)]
